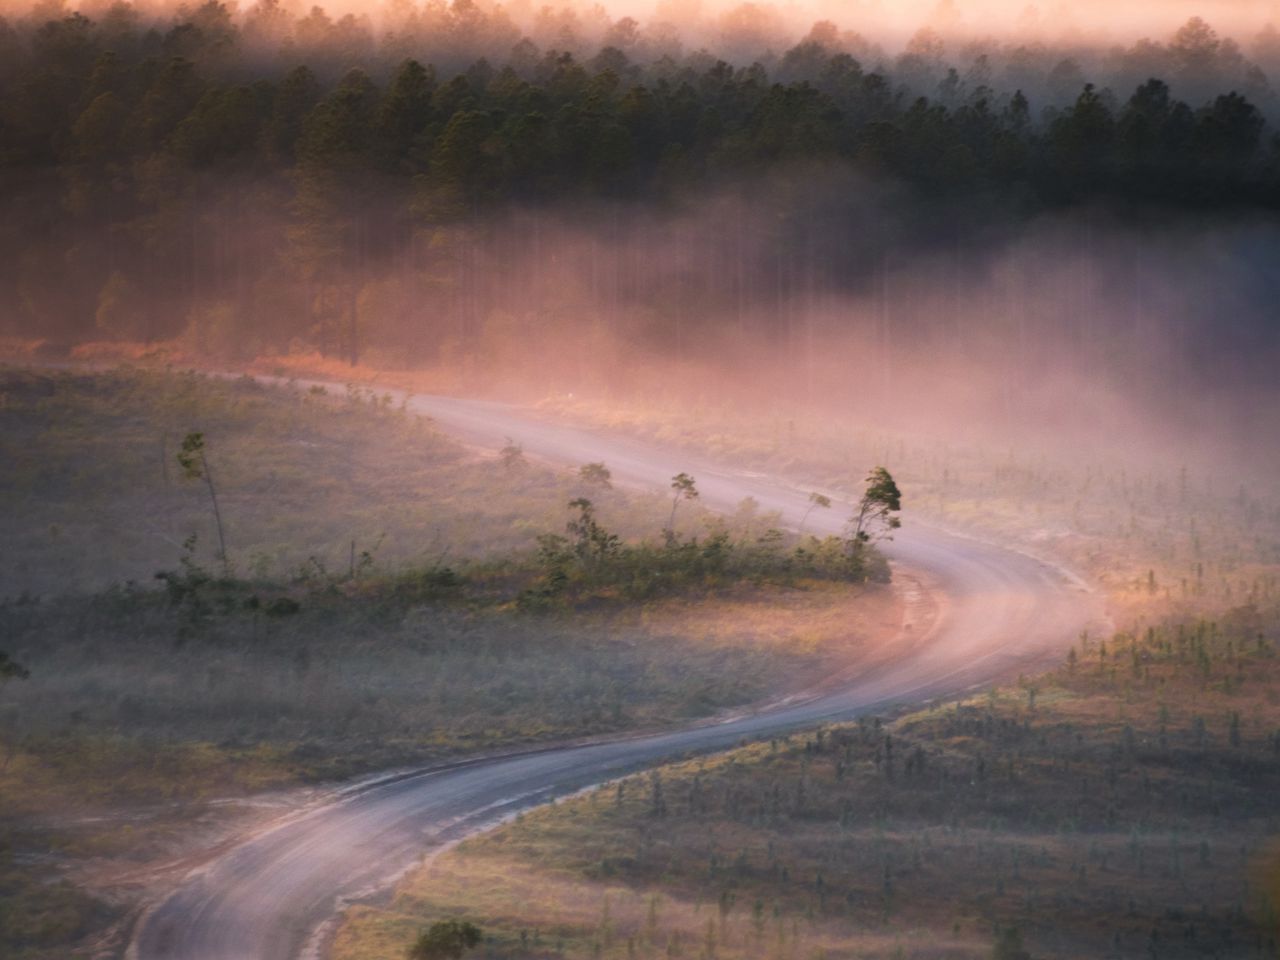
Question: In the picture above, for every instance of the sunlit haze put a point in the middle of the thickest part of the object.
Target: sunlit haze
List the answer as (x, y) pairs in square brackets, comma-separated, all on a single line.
[(677, 480)]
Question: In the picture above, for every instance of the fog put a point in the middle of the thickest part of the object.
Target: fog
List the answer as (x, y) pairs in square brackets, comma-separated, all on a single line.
[(1073, 333), (1024, 256), (828, 281), (815, 294)]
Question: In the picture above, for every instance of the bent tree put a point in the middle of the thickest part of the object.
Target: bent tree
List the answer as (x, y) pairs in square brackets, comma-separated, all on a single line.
[(876, 517), (195, 467)]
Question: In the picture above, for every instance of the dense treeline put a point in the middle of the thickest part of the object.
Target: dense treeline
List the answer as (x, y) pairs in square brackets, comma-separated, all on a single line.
[(167, 177)]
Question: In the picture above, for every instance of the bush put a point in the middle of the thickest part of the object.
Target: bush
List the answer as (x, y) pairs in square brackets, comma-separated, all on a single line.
[(445, 940)]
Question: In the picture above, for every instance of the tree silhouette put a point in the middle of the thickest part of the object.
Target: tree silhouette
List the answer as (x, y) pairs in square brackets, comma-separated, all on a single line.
[(685, 489), (512, 456), (875, 518), (195, 467), (815, 500), (596, 475)]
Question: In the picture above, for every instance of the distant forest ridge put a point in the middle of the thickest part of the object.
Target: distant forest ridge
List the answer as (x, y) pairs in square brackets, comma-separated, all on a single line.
[(267, 181)]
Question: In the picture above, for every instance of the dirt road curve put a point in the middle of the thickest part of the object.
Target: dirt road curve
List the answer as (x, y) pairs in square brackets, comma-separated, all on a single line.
[(1003, 612)]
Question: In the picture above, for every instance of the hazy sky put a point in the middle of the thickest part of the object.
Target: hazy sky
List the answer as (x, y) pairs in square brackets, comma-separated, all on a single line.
[(890, 20), (887, 21)]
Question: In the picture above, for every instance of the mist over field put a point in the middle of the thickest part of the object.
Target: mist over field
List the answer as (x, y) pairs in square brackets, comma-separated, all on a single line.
[(841, 438), (968, 229)]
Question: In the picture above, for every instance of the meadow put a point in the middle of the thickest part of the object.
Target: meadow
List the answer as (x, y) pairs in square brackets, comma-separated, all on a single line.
[(388, 597), (310, 482), (1120, 805), (392, 597), (1159, 535)]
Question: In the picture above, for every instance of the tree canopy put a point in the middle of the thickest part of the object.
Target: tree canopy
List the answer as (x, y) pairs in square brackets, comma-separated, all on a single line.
[(876, 518), (257, 181)]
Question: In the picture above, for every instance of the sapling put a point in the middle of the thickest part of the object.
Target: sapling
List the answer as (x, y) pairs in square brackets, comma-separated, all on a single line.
[(685, 488), (196, 467)]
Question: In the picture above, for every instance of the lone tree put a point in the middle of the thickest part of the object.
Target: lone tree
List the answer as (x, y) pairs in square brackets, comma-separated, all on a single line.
[(685, 489), (596, 475), (195, 467), (445, 940), (875, 518)]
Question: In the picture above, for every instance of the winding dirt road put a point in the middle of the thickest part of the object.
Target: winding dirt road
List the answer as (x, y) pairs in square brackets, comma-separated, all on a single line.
[(1001, 612)]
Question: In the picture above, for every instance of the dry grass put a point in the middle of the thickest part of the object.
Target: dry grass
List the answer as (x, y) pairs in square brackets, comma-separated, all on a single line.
[(96, 497), (1078, 817), (146, 706), (1106, 809), (116, 712), (1210, 537), (127, 742)]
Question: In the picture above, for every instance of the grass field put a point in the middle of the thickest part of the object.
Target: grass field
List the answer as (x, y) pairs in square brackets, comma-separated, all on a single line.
[(1121, 806), (372, 613), (375, 615), (122, 742), (97, 497), (1157, 536)]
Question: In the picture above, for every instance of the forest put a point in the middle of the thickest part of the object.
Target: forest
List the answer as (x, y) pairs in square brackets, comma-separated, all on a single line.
[(261, 182)]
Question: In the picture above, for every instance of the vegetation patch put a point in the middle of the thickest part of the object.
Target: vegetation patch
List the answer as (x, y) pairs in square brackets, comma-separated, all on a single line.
[(1118, 805), (219, 588)]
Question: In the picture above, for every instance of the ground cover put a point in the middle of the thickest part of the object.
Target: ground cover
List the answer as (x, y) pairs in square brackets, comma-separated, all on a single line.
[(388, 597), (1120, 805)]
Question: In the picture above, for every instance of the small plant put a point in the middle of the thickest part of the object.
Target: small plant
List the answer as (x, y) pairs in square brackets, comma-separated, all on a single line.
[(445, 940), (815, 500), (512, 456), (10, 669), (596, 475), (1008, 945)]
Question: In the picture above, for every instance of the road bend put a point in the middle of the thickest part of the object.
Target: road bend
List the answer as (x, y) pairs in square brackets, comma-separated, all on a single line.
[(1001, 612)]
